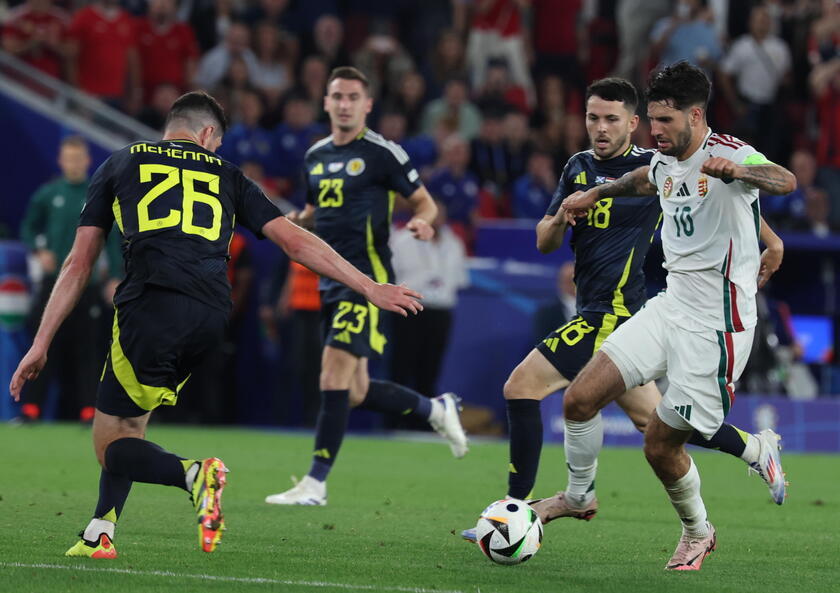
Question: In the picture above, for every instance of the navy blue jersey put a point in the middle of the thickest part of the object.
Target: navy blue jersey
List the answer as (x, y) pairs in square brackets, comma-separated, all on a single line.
[(610, 245), (175, 204), (352, 187)]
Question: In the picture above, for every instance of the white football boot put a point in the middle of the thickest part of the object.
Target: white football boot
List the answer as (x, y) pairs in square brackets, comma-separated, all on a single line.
[(769, 464), (308, 492), (447, 422)]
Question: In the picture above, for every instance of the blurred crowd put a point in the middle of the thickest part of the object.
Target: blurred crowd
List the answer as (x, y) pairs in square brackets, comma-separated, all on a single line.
[(484, 95)]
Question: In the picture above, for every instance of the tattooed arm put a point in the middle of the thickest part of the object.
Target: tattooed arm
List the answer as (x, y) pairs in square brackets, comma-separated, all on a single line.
[(770, 178), (634, 183)]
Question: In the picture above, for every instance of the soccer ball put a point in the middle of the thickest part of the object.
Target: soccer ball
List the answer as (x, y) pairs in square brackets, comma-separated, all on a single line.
[(509, 531)]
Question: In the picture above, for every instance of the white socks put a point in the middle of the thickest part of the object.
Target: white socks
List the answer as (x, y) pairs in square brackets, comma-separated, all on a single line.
[(751, 450), (97, 527), (436, 417), (190, 474), (582, 442), (685, 496)]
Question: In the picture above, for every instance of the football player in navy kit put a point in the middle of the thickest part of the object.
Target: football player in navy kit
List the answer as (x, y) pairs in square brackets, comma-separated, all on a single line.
[(174, 202), (352, 179)]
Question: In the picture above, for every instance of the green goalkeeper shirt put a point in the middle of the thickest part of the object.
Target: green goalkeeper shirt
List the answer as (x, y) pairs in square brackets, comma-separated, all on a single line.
[(52, 218)]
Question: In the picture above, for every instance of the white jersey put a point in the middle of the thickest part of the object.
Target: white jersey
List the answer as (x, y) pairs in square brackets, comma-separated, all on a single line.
[(710, 237)]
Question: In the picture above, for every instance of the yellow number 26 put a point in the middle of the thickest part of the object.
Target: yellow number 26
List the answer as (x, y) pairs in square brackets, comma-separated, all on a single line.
[(191, 197)]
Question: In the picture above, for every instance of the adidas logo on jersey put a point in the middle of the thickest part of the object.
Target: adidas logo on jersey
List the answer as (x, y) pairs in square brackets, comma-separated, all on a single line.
[(580, 179), (684, 411), (683, 191)]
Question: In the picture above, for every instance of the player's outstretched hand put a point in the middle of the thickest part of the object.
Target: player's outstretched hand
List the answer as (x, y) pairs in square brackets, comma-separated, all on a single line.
[(578, 204), (771, 260), (721, 168), (399, 299), (29, 368), (420, 229)]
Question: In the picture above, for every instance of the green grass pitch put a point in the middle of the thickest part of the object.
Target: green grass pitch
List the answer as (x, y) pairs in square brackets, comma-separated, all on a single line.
[(394, 509)]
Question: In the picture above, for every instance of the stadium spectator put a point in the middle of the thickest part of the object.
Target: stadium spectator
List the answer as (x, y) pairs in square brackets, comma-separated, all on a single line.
[(269, 186), (154, 111), (103, 55), (234, 84), (448, 61), (634, 19), (552, 105), (532, 192), (247, 140), (312, 81), (491, 163), (455, 106), (421, 148), (300, 306), (518, 143), (807, 208), (556, 313), (35, 32), (385, 61), (559, 35), (496, 33), (688, 34), (598, 53), (292, 138), (408, 99), (273, 75), (275, 12), (208, 19), (216, 63), (438, 269), (328, 41), (48, 230), (825, 85), (752, 73), (168, 49), (498, 92), (457, 187)]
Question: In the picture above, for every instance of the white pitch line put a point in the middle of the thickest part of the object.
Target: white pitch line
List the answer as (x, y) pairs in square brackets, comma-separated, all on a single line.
[(210, 577)]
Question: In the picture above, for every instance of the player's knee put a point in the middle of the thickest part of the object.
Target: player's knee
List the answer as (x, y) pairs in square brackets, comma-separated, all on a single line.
[(100, 457), (356, 397), (331, 380), (514, 386), (640, 422), (578, 407)]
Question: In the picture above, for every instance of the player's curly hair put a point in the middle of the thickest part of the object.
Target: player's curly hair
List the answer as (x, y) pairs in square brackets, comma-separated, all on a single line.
[(681, 85), (614, 89), (195, 108)]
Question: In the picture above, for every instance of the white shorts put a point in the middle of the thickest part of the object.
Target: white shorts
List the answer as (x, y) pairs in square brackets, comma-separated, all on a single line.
[(701, 366)]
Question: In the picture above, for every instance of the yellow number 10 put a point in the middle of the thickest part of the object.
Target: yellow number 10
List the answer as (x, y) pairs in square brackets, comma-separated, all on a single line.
[(190, 198)]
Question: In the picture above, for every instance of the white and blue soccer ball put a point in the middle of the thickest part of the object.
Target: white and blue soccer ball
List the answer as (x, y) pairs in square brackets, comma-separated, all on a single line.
[(509, 531)]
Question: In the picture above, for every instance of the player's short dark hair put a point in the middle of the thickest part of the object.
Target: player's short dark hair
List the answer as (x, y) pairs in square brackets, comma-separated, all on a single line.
[(74, 140), (195, 109), (348, 73), (614, 89), (682, 85)]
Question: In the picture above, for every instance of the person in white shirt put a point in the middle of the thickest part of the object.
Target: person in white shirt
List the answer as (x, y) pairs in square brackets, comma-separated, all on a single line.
[(439, 269), (698, 332), (752, 73)]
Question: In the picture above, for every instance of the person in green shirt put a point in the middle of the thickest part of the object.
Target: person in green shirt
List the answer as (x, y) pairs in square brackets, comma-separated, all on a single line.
[(48, 230)]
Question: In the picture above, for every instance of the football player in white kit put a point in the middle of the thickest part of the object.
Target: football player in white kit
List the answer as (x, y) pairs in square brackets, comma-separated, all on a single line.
[(699, 331)]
